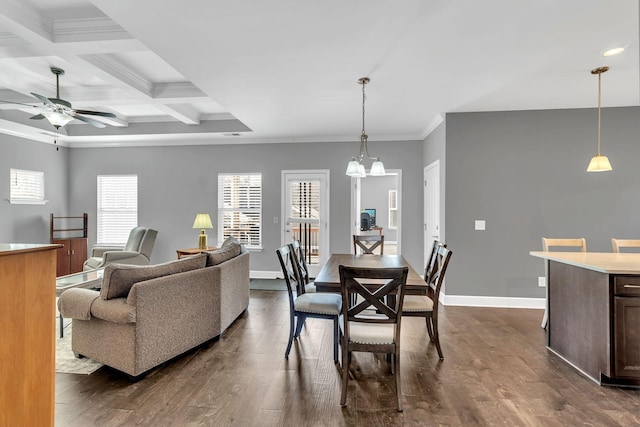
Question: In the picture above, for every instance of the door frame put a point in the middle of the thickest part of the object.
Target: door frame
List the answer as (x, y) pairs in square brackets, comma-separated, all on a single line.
[(325, 211), (428, 237), (356, 204)]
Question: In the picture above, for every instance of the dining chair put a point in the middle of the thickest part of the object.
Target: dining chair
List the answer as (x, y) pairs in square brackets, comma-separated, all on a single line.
[(368, 243), (579, 243), (618, 244), (427, 305), (372, 324), (313, 305), (301, 267)]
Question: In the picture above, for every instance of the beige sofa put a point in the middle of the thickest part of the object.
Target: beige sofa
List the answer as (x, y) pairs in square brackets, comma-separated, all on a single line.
[(146, 315)]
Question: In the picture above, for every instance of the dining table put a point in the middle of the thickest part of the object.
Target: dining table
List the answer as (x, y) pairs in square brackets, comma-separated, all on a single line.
[(328, 280)]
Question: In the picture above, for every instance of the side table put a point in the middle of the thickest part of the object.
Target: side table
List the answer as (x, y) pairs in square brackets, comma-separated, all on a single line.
[(193, 251)]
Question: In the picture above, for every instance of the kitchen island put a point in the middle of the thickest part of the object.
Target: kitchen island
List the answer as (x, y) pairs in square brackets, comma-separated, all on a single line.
[(594, 313)]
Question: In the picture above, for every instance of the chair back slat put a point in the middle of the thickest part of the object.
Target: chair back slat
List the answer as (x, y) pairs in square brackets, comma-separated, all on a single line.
[(436, 278), (301, 265), (618, 244), (580, 243), (368, 244), (353, 281), (288, 270), (431, 264)]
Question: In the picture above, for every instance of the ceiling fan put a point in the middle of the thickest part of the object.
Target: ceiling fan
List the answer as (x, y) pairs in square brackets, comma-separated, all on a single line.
[(59, 112)]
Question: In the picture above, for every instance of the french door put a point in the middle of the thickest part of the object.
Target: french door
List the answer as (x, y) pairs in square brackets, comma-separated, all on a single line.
[(305, 214)]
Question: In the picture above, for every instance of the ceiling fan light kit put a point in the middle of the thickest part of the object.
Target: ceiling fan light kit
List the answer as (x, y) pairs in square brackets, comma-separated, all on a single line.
[(59, 112)]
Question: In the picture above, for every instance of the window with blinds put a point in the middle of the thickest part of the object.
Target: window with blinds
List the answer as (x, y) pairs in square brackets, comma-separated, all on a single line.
[(240, 208), (117, 208), (26, 187)]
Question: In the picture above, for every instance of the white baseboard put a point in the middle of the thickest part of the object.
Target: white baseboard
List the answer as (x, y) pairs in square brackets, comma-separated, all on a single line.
[(498, 302), (453, 300), (254, 274)]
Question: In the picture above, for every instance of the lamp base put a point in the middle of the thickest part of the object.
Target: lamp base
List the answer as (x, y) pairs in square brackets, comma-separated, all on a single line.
[(202, 240)]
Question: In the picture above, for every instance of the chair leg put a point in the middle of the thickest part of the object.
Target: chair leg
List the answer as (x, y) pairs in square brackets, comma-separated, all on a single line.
[(291, 329), (396, 357), (429, 327), (436, 337), (301, 320), (335, 339), (345, 372)]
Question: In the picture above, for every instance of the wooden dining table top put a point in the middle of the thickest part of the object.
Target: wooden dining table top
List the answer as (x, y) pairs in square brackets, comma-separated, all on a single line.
[(328, 280)]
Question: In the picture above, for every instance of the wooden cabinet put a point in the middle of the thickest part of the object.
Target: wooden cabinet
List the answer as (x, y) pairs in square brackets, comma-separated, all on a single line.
[(74, 250), (626, 326), (71, 256), (27, 347)]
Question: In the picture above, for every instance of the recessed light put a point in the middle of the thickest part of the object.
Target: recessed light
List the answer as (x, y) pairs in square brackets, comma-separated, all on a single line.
[(613, 51)]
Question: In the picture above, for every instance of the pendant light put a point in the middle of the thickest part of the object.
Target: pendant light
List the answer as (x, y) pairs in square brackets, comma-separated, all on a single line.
[(599, 163), (355, 168)]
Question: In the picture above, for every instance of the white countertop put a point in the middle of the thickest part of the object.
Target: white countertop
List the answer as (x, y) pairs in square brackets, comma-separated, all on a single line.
[(604, 262)]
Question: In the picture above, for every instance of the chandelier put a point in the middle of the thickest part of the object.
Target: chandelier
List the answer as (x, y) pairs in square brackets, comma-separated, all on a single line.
[(599, 163), (355, 168)]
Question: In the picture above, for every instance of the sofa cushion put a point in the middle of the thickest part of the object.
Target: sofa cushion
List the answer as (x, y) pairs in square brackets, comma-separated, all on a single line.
[(119, 278), (226, 252)]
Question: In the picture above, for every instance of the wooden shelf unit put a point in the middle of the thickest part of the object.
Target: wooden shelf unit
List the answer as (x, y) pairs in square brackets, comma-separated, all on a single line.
[(74, 250)]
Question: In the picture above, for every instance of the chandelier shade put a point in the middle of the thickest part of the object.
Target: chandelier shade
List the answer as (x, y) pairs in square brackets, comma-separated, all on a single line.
[(356, 168)]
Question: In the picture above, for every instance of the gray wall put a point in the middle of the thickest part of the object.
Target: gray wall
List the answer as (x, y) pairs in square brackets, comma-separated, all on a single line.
[(30, 223), (374, 193), (525, 174), (174, 183)]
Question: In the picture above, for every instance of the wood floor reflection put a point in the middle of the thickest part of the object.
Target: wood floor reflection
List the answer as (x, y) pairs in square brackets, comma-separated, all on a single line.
[(496, 372)]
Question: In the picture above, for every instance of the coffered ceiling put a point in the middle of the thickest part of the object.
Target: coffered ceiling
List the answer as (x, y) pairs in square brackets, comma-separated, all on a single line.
[(254, 71)]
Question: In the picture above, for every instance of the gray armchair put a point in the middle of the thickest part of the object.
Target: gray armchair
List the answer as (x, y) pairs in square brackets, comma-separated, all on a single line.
[(137, 250)]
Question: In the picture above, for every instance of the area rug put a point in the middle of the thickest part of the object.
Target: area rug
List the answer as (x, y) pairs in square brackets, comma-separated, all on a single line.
[(66, 362)]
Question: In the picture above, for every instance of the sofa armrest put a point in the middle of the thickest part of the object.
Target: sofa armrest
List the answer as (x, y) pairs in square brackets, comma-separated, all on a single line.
[(76, 303), (98, 251), (114, 310), (131, 257)]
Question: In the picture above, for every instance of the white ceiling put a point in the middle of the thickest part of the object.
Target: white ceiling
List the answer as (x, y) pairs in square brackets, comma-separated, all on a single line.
[(199, 71)]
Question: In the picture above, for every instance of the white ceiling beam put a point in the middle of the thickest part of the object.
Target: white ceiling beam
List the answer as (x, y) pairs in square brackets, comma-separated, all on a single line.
[(183, 112)]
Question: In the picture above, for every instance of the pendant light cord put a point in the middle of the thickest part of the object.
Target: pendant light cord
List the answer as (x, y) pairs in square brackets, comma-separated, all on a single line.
[(599, 102)]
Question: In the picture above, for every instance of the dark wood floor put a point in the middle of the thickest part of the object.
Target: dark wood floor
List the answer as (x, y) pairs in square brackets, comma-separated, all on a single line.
[(496, 372)]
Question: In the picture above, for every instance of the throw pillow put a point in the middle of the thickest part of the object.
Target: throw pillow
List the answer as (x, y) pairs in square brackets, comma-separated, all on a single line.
[(229, 241), (225, 253), (119, 278)]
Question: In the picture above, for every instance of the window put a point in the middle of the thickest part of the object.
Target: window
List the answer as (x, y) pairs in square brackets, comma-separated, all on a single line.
[(117, 208), (393, 209), (240, 208), (26, 187)]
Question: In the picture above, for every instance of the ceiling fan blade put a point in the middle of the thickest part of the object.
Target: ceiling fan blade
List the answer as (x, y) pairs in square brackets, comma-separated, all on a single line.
[(37, 117), (95, 113), (90, 121), (45, 100), (18, 103)]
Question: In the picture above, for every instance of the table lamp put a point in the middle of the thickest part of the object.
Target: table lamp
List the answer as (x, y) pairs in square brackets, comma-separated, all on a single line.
[(202, 221)]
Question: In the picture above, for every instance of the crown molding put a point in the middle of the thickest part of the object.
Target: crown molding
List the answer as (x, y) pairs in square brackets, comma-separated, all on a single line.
[(88, 29)]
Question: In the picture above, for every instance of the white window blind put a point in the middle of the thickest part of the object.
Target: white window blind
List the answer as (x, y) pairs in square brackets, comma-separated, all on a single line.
[(26, 187), (240, 208), (393, 209), (117, 208)]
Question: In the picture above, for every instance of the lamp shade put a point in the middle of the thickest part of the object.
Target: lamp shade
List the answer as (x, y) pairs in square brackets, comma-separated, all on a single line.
[(202, 221), (353, 168), (599, 163), (362, 173), (56, 118), (377, 169)]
